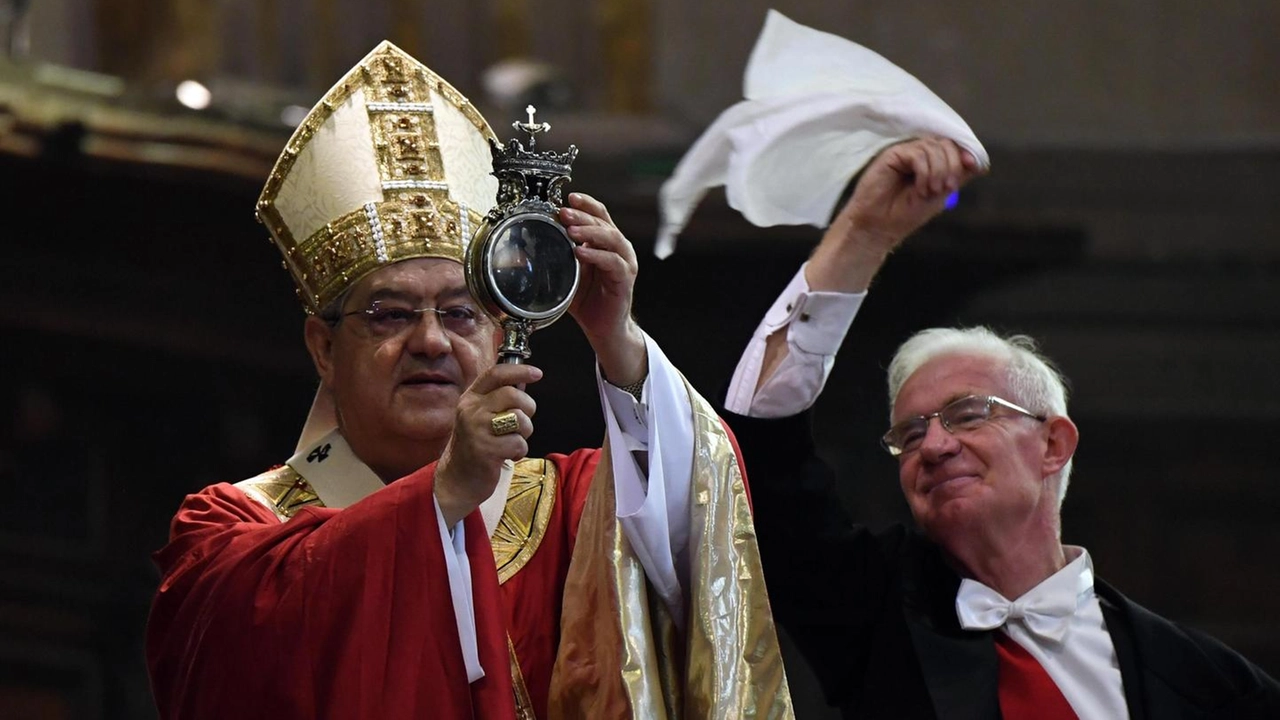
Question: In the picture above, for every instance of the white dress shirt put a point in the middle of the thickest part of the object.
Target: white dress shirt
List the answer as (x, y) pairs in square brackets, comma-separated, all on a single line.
[(1079, 656)]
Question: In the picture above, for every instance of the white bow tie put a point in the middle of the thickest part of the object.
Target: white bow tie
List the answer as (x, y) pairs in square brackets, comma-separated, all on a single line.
[(1047, 615)]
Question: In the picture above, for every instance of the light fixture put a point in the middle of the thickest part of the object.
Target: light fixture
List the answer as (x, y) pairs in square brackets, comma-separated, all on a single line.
[(193, 95)]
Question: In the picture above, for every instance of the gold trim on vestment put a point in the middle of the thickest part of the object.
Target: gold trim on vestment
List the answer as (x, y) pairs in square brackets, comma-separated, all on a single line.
[(620, 655), (282, 490), (606, 666), (523, 524), (734, 662), (519, 533), (525, 516), (524, 704)]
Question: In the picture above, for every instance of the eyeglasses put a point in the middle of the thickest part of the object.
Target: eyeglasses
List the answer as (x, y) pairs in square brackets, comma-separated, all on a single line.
[(384, 319), (967, 413)]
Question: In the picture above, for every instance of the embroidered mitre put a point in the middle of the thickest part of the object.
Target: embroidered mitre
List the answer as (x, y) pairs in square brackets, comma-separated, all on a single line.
[(393, 163)]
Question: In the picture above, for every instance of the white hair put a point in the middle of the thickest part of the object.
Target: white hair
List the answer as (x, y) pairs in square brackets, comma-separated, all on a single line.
[(1034, 381)]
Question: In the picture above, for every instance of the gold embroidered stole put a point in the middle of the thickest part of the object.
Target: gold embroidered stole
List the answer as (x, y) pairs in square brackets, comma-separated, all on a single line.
[(282, 490), (519, 533), (620, 655)]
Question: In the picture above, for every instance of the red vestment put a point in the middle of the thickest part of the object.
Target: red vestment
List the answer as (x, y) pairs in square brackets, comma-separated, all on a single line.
[(347, 613)]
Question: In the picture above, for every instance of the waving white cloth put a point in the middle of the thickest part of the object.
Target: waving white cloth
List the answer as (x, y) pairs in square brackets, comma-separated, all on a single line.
[(817, 109)]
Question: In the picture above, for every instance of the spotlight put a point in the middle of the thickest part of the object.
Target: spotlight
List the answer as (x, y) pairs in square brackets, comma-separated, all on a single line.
[(193, 95)]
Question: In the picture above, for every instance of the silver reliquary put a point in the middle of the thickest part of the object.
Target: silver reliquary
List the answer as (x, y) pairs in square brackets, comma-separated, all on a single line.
[(520, 265)]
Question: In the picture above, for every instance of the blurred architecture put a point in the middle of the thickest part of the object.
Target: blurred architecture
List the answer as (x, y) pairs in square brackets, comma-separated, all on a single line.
[(152, 343)]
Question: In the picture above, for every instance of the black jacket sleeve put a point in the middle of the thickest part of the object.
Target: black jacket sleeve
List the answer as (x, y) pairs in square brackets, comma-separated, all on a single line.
[(827, 576)]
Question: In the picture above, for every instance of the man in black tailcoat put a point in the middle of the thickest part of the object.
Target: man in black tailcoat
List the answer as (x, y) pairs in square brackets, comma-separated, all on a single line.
[(979, 611)]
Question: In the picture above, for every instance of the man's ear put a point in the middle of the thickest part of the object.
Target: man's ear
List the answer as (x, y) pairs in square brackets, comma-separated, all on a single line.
[(1060, 444), (319, 338)]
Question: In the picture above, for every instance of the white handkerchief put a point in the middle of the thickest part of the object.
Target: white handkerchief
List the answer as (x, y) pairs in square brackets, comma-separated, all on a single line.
[(817, 109)]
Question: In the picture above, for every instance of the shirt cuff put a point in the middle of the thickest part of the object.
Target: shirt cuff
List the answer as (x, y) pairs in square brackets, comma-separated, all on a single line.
[(630, 413), (820, 320), (816, 324)]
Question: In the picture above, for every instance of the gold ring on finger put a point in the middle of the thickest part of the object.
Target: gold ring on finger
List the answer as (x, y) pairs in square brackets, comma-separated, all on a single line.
[(504, 423)]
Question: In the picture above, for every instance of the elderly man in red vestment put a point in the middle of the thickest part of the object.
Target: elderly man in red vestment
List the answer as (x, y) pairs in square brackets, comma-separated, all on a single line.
[(409, 561)]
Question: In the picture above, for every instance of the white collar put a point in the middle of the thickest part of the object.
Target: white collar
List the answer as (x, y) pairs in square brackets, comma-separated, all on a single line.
[(1075, 579), (341, 479), (333, 471)]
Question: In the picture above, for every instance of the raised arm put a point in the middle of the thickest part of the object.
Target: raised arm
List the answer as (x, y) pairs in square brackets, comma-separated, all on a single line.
[(900, 190), (649, 425), (602, 306)]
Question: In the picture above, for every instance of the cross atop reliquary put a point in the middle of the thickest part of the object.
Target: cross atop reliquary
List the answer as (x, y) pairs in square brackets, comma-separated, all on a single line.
[(531, 127)]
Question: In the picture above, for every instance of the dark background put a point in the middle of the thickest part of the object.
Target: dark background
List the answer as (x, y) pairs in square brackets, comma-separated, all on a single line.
[(152, 345), (150, 342)]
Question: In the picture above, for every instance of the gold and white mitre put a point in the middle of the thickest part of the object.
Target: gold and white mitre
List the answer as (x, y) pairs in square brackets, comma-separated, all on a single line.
[(392, 164)]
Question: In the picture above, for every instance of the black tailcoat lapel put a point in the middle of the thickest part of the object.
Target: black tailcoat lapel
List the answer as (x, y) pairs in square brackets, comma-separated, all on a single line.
[(1121, 633), (959, 666), (1170, 671)]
